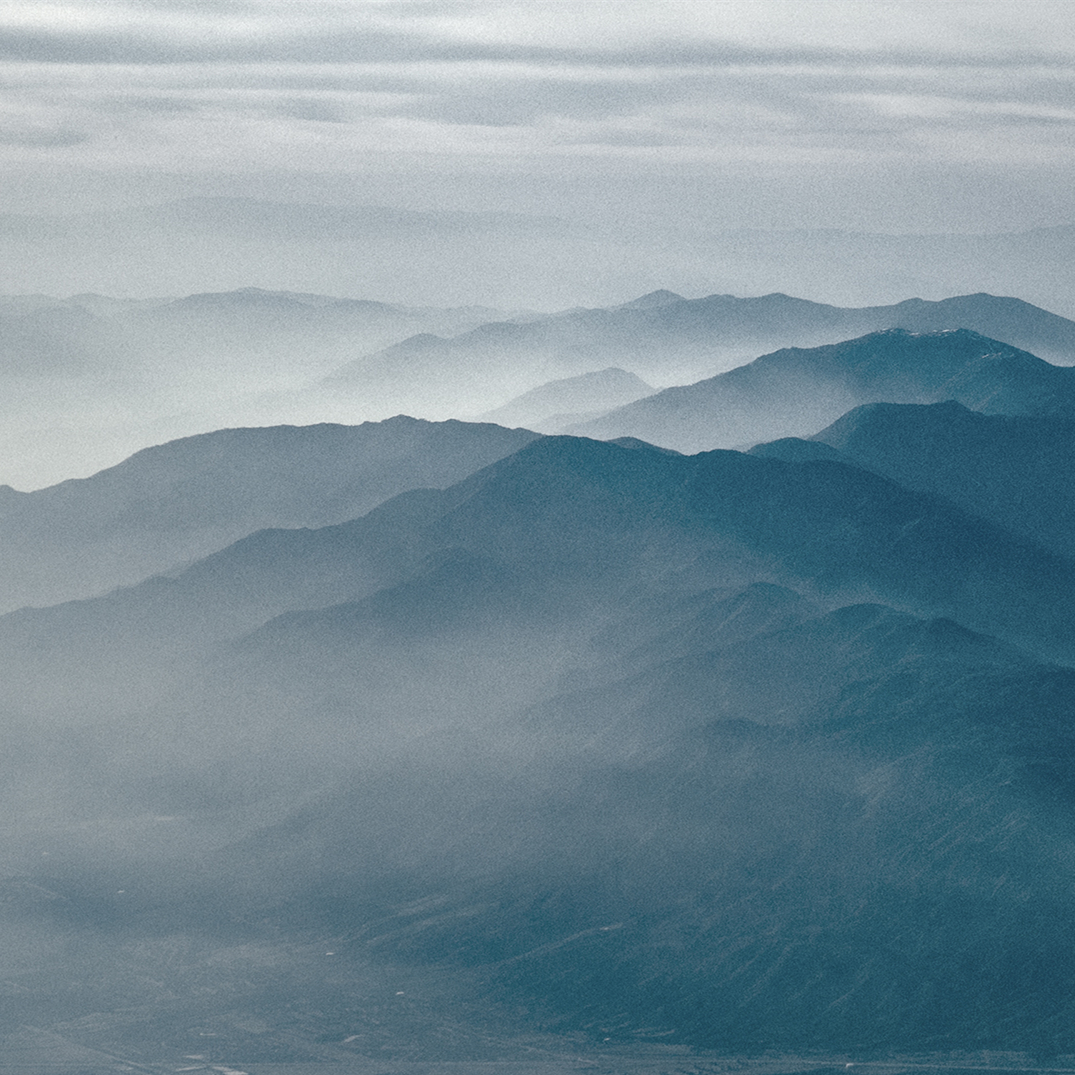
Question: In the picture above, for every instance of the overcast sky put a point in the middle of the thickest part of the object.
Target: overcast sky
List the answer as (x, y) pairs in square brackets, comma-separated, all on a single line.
[(900, 116)]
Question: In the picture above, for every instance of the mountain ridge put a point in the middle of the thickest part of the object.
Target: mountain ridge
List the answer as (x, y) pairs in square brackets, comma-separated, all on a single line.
[(1009, 469), (178, 501), (795, 391)]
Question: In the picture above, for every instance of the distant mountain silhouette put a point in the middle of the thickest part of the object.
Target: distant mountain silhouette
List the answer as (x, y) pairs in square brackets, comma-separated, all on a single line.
[(797, 391), (316, 330), (666, 340), (84, 332), (97, 378), (439, 258), (652, 300), (88, 379)]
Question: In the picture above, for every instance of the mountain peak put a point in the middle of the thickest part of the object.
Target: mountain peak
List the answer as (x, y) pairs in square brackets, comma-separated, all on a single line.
[(651, 301)]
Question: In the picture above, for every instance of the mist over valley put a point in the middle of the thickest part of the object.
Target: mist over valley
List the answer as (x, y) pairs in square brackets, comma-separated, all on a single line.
[(581, 741)]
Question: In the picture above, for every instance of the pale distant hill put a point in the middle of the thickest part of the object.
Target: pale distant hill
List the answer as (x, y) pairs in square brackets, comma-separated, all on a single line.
[(500, 259), (550, 407), (86, 380), (664, 340)]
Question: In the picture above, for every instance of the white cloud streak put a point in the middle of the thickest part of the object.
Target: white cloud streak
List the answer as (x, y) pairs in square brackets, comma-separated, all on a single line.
[(257, 86)]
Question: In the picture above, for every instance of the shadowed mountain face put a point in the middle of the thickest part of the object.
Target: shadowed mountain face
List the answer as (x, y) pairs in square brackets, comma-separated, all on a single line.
[(709, 749), (183, 500), (570, 528), (1014, 471), (793, 392), (821, 854)]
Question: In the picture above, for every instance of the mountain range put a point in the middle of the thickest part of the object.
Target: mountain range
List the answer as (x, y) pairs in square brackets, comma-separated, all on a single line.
[(180, 501), (416, 742), (795, 391), (503, 259), (666, 339), (93, 379), (535, 743), (96, 378)]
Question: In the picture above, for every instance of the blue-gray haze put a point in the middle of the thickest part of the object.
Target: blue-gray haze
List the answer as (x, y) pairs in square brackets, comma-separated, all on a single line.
[(723, 715)]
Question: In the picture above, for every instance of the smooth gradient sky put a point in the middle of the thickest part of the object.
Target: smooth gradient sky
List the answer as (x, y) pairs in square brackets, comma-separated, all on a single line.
[(897, 116)]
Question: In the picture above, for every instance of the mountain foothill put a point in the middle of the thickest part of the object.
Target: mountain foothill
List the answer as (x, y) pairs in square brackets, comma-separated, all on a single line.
[(721, 718)]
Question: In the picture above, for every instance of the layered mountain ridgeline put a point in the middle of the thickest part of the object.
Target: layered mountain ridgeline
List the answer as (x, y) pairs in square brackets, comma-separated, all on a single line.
[(795, 391), (88, 380), (665, 338), (1014, 471), (716, 749), (91, 333), (657, 332), (97, 378), (180, 501), (573, 528)]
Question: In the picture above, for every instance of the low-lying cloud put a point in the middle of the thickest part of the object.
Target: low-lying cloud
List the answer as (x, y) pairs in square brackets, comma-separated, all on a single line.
[(335, 89)]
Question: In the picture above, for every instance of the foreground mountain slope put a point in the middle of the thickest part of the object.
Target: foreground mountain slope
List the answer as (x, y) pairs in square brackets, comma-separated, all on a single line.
[(548, 542), (716, 750), (182, 500), (849, 833), (797, 391), (883, 868), (1014, 471)]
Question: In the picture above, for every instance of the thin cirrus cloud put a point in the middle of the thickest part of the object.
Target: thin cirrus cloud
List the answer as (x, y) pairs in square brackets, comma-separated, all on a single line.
[(326, 86)]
